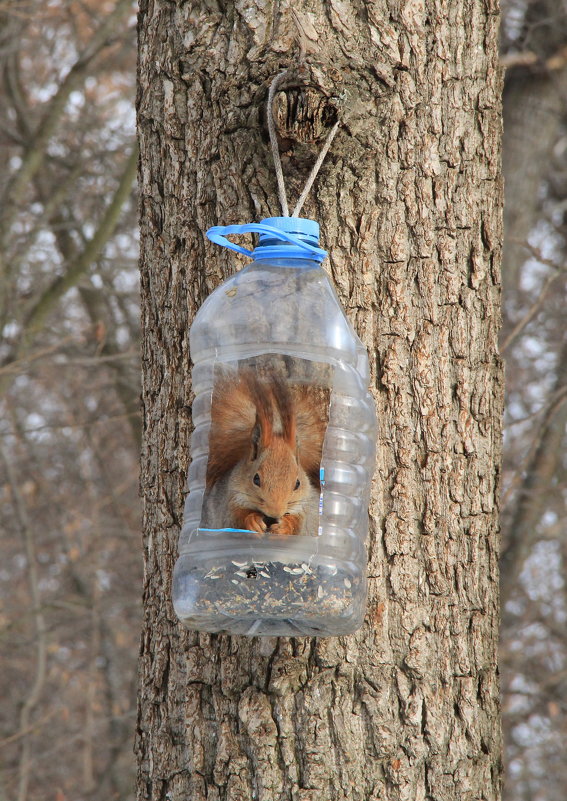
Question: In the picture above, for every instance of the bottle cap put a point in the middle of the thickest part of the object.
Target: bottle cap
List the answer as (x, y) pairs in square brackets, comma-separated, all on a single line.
[(296, 229), (299, 227), (280, 238)]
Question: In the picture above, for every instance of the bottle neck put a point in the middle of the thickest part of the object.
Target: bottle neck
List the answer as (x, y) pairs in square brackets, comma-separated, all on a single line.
[(283, 250), (286, 263)]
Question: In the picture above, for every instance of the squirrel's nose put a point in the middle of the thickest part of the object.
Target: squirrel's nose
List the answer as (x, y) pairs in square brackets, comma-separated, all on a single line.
[(269, 521)]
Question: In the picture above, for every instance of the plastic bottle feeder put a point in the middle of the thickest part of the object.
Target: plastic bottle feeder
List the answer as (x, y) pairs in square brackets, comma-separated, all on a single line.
[(283, 450)]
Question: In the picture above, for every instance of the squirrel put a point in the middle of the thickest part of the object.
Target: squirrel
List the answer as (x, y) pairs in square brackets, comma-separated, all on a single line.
[(265, 448)]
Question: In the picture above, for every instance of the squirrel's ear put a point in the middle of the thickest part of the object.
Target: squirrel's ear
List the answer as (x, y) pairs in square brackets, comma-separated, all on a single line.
[(262, 432), (292, 434), (256, 437)]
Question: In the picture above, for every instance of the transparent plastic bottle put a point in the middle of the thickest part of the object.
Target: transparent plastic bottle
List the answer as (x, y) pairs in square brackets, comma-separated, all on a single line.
[(279, 315)]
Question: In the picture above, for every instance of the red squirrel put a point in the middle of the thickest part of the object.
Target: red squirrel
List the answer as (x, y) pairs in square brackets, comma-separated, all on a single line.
[(265, 450)]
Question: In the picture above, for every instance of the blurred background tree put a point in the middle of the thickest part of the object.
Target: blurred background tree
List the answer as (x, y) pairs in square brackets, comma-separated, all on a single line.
[(70, 579), (69, 424), (534, 346)]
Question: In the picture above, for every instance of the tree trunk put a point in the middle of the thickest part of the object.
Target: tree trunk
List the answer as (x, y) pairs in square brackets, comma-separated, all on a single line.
[(409, 202)]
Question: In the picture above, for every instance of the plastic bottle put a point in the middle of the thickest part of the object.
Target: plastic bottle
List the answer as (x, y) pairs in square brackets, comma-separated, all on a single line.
[(281, 313)]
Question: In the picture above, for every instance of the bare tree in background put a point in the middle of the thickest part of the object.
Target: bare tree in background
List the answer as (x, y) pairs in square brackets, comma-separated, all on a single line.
[(534, 642), (69, 425), (409, 204)]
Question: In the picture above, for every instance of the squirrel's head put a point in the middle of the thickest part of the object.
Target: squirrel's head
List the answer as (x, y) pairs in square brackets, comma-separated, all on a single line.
[(272, 480), (277, 481)]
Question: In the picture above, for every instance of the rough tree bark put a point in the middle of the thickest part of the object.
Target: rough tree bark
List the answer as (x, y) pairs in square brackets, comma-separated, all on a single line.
[(409, 202)]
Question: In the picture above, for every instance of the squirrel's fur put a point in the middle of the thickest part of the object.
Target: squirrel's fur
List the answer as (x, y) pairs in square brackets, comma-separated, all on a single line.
[(265, 449)]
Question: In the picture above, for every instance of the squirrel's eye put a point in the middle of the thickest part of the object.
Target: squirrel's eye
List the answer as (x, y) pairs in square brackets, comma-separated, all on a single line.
[(256, 479), (297, 483)]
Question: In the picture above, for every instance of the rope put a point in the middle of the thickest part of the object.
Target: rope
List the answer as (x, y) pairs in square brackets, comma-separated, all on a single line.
[(276, 153), (274, 142), (315, 170)]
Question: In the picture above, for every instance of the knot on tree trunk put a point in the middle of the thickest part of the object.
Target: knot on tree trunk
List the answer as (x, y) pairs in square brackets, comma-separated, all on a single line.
[(303, 115)]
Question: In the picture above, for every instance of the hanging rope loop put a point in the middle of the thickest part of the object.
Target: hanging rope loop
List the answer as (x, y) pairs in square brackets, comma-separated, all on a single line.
[(274, 143), (276, 153)]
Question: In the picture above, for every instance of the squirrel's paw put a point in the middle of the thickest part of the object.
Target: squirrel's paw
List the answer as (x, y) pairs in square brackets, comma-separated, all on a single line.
[(255, 522), (289, 524)]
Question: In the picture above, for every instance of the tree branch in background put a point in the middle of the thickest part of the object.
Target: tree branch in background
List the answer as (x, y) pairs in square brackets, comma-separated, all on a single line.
[(527, 58), (36, 150), (34, 154), (40, 628), (57, 195), (126, 389), (36, 316), (537, 484), (99, 311), (530, 314), (534, 104)]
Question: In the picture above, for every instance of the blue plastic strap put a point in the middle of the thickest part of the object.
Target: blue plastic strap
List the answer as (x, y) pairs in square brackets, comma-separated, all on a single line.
[(218, 234), (234, 530)]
